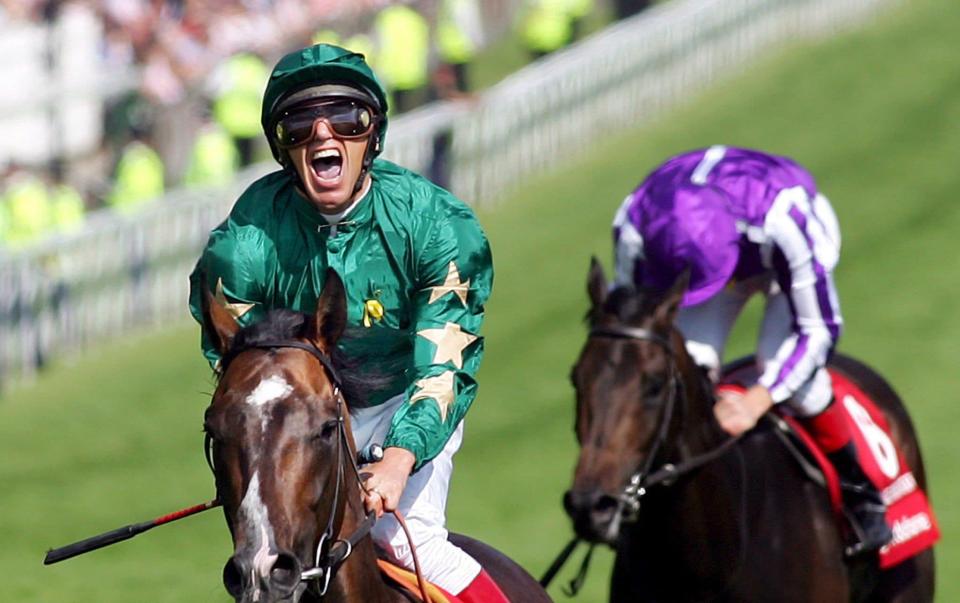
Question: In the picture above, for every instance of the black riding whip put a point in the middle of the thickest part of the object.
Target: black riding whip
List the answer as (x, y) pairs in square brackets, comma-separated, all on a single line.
[(114, 536)]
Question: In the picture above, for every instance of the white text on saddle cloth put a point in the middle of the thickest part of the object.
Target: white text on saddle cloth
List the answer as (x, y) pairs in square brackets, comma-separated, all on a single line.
[(908, 511)]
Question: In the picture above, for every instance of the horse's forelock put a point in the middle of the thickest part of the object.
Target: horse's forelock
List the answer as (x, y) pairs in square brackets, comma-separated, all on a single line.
[(629, 304), (285, 325)]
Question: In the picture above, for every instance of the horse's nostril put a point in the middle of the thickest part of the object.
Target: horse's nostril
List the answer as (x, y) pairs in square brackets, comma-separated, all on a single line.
[(233, 577), (604, 504), (285, 573)]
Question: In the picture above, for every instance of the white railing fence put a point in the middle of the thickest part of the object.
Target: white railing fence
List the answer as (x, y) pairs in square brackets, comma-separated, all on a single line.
[(123, 273)]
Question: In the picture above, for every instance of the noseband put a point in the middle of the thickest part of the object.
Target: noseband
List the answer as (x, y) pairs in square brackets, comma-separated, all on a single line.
[(643, 479), (330, 553)]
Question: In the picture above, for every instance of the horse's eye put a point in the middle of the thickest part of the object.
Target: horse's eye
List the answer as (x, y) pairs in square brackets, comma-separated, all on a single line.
[(653, 386), (329, 429)]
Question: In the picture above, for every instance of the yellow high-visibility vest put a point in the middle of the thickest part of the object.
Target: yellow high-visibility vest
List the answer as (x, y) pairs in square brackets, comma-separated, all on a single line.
[(455, 43), (214, 159), (545, 25), (66, 208), (139, 178), (28, 211), (237, 108), (403, 43)]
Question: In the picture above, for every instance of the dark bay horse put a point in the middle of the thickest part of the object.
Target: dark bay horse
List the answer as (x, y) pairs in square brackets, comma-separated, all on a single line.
[(284, 461), (744, 523)]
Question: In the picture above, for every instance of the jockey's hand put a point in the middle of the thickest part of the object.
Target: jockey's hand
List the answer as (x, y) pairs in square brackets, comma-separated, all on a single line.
[(386, 480), (739, 413)]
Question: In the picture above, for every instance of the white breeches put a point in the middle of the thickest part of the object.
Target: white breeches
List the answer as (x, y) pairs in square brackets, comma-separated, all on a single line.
[(707, 326), (423, 506)]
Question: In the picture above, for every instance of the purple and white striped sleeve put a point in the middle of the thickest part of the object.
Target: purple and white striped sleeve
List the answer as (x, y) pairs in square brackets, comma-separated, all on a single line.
[(805, 254)]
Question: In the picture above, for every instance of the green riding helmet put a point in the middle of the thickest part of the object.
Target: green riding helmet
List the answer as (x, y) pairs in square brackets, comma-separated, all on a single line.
[(321, 71)]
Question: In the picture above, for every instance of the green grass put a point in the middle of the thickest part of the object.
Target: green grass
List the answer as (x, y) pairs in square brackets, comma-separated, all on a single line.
[(114, 437)]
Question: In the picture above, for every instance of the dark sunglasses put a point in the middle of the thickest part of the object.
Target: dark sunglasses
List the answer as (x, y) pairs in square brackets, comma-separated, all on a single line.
[(347, 119)]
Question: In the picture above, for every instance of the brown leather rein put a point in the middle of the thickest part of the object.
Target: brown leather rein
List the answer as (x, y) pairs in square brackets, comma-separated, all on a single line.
[(640, 482), (331, 553)]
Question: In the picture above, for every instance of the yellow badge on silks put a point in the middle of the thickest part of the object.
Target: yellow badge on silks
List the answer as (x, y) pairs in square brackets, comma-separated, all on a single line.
[(372, 312)]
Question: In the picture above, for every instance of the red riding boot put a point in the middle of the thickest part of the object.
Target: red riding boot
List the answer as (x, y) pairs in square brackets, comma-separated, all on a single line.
[(860, 497), (483, 590)]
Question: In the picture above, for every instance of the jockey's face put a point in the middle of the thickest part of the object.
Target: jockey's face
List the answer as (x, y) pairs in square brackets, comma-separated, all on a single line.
[(329, 166)]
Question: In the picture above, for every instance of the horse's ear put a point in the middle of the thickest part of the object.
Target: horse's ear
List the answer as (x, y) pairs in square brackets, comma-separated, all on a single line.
[(218, 323), (331, 316), (666, 311), (596, 284)]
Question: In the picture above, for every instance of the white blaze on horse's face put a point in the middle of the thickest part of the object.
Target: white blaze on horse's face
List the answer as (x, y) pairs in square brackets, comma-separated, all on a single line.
[(272, 388), (254, 514)]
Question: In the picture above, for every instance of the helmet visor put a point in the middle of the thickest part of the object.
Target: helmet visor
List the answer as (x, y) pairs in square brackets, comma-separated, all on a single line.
[(348, 119)]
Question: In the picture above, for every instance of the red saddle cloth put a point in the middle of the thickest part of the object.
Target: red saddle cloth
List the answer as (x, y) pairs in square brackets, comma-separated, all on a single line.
[(909, 513)]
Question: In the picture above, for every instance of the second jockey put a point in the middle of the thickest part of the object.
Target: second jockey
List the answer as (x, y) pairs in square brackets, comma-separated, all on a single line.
[(746, 222)]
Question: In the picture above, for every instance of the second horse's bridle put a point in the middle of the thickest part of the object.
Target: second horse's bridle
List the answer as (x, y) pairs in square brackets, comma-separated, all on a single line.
[(643, 479)]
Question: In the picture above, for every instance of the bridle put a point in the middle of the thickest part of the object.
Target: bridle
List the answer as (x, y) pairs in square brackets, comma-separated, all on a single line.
[(331, 552), (643, 479)]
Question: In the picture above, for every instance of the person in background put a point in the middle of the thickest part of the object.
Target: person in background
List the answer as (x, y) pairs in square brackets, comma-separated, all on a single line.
[(240, 81), (416, 269), (458, 37), (27, 208), (745, 223), (214, 158), (67, 207), (545, 26), (403, 47), (139, 175)]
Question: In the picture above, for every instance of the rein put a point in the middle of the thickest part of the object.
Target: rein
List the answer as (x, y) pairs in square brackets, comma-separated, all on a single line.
[(644, 478), (331, 553)]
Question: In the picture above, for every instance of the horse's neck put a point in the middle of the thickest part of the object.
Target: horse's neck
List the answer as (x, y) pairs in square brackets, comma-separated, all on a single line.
[(698, 430)]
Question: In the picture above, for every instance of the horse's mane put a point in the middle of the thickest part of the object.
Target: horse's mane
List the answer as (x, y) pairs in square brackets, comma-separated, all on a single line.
[(284, 325)]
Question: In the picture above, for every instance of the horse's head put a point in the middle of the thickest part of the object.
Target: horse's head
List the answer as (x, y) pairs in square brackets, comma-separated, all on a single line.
[(276, 424), (626, 382)]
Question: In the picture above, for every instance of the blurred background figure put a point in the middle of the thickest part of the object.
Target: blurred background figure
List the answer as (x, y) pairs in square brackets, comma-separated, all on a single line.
[(67, 206), (240, 81), (458, 38), (214, 158), (403, 46), (545, 26), (139, 175), (27, 207)]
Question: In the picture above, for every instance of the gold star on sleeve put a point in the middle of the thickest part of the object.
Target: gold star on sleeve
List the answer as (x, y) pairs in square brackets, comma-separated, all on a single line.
[(451, 284), (438, 388), (450, 342), (236, 310)]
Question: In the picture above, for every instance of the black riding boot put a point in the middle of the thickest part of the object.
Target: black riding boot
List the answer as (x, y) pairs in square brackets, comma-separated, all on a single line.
[(861, 500)]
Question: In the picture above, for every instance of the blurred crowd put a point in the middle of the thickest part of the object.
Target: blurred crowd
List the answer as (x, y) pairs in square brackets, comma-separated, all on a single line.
[(193, 118)]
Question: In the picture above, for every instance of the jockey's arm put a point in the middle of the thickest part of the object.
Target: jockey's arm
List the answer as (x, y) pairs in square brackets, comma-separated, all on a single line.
[(808, 281), (235, 271), (454, 276)]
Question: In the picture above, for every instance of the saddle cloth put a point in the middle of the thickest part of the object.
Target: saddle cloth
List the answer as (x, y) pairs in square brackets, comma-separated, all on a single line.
[(909, 513), (407, 581)]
